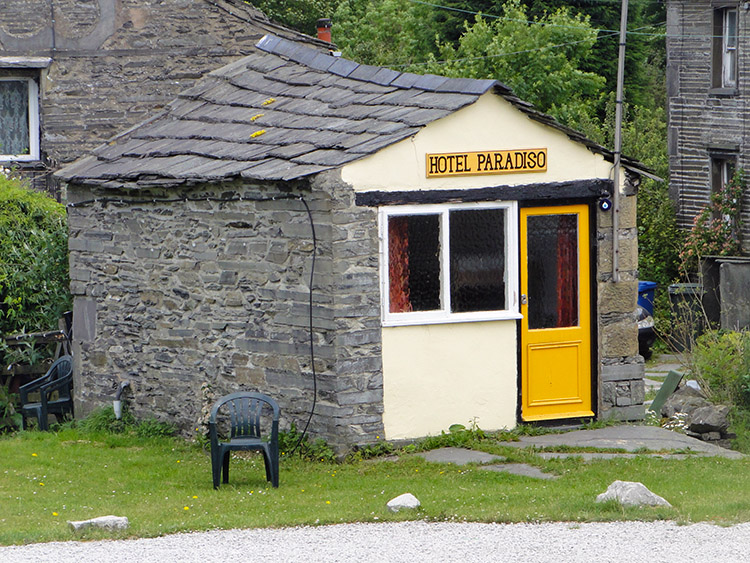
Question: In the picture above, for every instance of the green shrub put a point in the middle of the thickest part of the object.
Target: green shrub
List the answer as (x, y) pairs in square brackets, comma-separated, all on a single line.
[(10, 420), (34, 283), (292, 441), (103, 421), (153, 428), (721, 363), (458, 436), (371, 451), (717, 228)]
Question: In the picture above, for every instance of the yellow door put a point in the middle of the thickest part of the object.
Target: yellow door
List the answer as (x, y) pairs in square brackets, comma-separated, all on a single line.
[(556, 309)]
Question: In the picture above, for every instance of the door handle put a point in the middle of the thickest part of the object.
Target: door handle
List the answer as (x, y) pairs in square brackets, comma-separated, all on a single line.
[(524, 299)]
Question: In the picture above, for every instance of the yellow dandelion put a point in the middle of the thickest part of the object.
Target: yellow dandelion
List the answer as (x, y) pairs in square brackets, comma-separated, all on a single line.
[(328, 502), (186, 508), (41, 484), (54, 514), (34, 455), (195, 496)]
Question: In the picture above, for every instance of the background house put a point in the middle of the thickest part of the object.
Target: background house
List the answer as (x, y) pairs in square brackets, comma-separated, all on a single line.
[(708, 64), (75, 73), (463, 268), (707, 70)]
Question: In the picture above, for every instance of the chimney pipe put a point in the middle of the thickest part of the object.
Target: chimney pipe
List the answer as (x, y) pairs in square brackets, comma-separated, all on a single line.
[(324, 29)]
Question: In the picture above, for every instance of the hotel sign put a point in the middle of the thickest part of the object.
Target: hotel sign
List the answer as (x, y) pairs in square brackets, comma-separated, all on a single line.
[(486, 162)]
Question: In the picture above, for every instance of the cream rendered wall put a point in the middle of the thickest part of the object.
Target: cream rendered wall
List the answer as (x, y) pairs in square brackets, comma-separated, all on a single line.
[(438, 375), (491, 123)]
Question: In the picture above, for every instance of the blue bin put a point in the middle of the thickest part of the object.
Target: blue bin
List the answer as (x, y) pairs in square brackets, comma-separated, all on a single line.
[(646, 291)]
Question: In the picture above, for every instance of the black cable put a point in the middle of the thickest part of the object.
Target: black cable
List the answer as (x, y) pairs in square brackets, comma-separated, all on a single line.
[(312, 349), (120, 201)]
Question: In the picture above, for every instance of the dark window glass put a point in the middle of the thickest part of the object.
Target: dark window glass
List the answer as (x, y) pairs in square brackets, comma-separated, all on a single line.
[(477, 260), (414, 263), (552, 271)]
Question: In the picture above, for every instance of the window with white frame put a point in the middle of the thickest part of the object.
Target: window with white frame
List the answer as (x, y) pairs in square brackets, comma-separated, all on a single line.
[(19, 118), (449, 263), (725, 47), (722, 170)]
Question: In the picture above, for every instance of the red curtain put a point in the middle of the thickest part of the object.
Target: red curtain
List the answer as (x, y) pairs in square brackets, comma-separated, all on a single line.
[(398, 264), (567, 271)]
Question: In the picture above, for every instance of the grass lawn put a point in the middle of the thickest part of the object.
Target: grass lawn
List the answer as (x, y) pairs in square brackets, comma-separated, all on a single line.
[(164, 486)]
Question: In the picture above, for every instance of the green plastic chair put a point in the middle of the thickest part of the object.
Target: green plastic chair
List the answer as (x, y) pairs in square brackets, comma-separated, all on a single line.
[(246, 414), (58, 379)]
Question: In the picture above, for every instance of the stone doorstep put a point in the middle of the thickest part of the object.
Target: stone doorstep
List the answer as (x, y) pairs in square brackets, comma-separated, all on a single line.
[(590, 456), (462, 456), (522, 469)]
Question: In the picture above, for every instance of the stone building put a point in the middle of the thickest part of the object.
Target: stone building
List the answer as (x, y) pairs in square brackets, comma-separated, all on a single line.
[(394, 253), (708, 71), (75, 72), (708, 68)]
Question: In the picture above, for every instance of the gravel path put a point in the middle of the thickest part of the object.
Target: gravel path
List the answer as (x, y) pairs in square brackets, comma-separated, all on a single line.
[(627, 542)]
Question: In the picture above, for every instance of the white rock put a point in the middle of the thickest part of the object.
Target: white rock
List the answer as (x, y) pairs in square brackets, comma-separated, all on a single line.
[(629, 493), (407, 500), (105, 522)]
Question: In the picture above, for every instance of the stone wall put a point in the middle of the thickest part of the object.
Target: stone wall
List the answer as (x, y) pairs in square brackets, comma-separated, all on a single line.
[(621, 369), (172, 295), (117, 62), (701, 119)]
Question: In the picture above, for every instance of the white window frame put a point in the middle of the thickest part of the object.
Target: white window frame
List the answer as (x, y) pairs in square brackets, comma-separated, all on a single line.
[(729, 49), (444, 315), (722, 170), (33, 121)]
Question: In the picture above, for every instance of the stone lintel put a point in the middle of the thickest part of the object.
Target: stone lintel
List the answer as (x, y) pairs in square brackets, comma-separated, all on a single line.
[(622, 372)]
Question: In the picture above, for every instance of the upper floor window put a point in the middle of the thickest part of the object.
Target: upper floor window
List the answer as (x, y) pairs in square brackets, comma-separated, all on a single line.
[(722, 171), (724, 72), (19, 118), (449, 263)]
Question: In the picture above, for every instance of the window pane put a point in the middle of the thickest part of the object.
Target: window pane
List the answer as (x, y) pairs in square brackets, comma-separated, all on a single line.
[(729, 63), (731, 29), (14, 117), (553, 270), (477, 260), (414, 263)]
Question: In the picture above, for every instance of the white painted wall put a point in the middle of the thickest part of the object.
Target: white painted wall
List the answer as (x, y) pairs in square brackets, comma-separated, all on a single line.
[(438, 375), (491, 123), (442, 374)]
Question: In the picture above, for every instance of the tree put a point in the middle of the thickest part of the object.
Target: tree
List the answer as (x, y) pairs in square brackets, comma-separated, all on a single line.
[(301, 15), (392, 33), (539, 59), (33, 259)]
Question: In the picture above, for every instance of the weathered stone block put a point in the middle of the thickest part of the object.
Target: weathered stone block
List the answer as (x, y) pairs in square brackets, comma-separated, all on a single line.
[(620, 372), (620, 339), (618, 297), (627, 215)]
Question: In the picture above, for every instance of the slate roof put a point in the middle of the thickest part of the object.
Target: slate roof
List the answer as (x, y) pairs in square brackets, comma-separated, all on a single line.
[(284, 112)]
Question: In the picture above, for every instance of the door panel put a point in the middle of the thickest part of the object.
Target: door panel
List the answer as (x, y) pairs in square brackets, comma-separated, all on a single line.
[(556, 324)]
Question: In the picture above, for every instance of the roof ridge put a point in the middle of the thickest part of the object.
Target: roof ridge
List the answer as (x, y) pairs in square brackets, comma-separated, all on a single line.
[(382, 76)]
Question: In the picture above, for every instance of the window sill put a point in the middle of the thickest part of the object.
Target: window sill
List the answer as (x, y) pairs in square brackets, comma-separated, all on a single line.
[(411, 319), (723, 92), (25, 164)]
